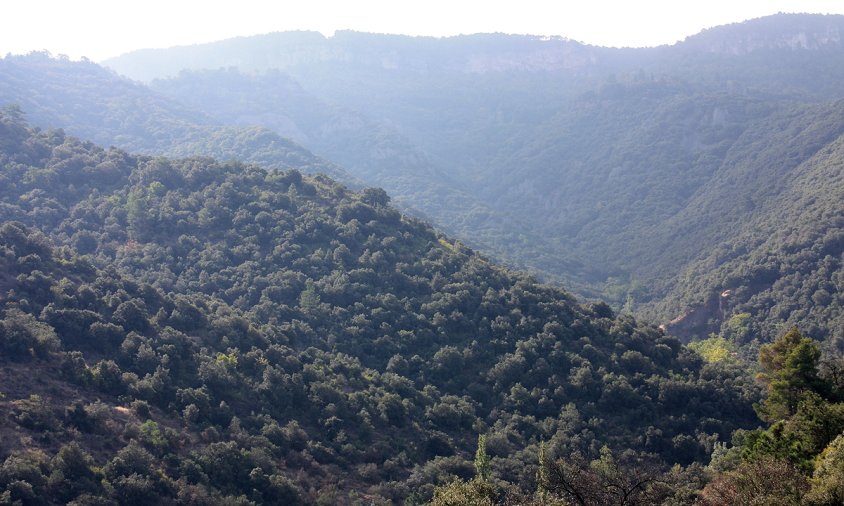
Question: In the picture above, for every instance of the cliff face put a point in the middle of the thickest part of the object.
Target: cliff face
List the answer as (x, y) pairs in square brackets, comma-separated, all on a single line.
[(792, 32), (550, 55), (478, 53)]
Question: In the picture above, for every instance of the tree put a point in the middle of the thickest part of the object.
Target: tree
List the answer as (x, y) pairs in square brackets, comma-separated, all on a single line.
[(134, 477), (607, 480), (542, 475), (22, 476), (132, 315), (73, 473), (828, 479), (790, 370), (766, 481), (309, 299), (481, 459), (132, 459), (477, 492), (23, 337), (464, 493)]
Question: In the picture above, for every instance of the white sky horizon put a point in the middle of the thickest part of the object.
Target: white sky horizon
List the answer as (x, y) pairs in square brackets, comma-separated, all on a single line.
[(102, 29)]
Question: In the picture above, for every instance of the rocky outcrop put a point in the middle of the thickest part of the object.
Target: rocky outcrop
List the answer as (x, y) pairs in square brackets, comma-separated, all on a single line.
[(791, 32)]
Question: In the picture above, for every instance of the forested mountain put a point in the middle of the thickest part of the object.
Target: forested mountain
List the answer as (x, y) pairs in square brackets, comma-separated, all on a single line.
[(626, 170), (617, 172), (375, 152), (187, 329), (94, 103), (232, 334), (784, 264), (417, 55)]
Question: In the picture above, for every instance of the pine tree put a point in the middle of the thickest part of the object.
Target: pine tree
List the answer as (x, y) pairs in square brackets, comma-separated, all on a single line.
[(790, 367), (542, 476), (481, 459)]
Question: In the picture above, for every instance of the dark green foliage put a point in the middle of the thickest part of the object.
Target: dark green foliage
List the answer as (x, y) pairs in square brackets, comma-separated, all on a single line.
[(72, 473), (24, 478), (136, 480), (630, 174), (226, 465), (108, 377), (274, 333), (23, 337), (792, 461), (790, 371), (613, 170), (266, 332), (36, 414)]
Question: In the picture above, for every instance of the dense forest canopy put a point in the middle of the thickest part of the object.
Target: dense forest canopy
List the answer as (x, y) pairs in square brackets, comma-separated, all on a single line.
[(616, 173), (95, 104), (206, 296), (289, 330), (625, 169)]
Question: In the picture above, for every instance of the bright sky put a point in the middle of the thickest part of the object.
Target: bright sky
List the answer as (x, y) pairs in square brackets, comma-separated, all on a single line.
[(99, 29)]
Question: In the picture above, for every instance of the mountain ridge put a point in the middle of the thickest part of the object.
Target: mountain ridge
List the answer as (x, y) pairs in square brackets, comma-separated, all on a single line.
[(244, 319), (477, 52), (613, 183)]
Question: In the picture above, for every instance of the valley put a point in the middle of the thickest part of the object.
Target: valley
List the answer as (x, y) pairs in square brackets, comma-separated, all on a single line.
[(383, 269)]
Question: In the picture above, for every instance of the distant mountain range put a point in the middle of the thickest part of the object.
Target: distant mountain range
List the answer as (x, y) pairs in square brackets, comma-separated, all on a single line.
[(206, 299), (614, 171)]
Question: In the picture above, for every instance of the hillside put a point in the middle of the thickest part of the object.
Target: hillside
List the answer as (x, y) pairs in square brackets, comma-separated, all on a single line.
[(96, 103), (376, 152), (228, 331), (91, 102), (616, 185), (621, 169), (784, 267)]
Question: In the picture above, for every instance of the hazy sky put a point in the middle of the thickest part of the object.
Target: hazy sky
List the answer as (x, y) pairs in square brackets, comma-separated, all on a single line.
[(99, 29)]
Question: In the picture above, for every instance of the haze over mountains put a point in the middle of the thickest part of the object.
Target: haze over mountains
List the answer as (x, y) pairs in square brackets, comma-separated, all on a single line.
[(618, 167), (193, 258), (611, 170)]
